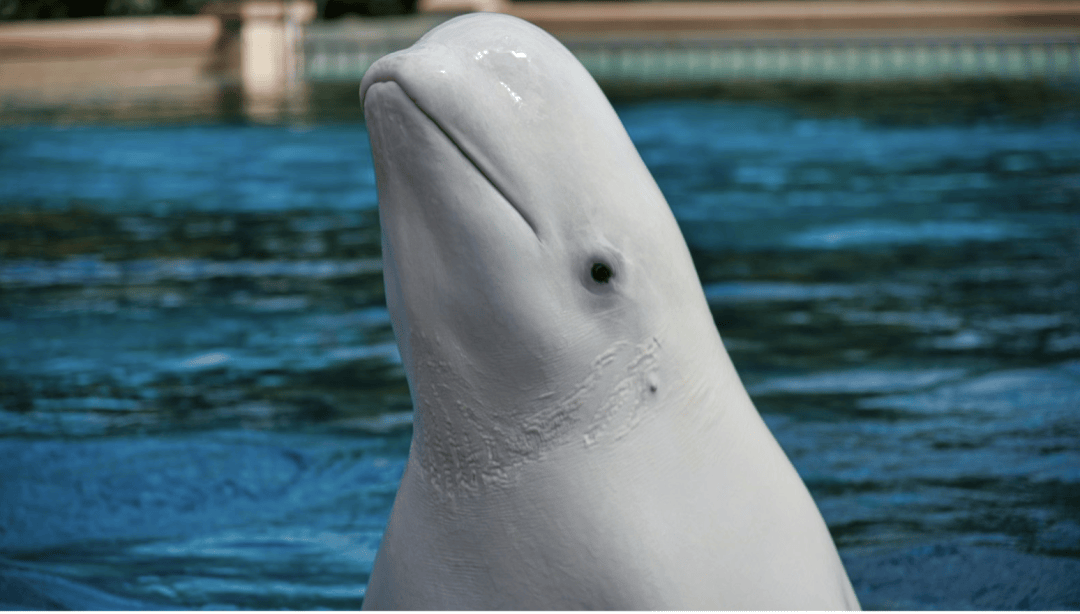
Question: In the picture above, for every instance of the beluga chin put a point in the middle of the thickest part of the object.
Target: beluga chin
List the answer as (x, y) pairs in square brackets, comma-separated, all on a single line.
[(581, 437)]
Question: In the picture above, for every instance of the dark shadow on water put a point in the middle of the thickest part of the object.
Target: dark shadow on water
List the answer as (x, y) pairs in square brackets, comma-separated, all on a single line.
[(885, 103)]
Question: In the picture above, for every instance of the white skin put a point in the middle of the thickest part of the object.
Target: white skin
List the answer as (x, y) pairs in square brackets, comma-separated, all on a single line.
[(577, 443)]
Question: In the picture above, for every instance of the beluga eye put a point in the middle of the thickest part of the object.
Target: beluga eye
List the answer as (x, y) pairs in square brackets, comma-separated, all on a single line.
[(601, 272)]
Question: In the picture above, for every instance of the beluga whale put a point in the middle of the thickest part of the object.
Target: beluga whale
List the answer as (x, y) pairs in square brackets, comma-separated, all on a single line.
[(581, 439)]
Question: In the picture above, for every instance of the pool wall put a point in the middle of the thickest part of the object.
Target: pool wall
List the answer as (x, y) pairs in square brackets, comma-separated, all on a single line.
[(262, 60)]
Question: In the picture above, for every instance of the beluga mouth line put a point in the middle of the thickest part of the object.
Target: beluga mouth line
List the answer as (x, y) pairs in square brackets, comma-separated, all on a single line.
[(581, 439), (464, 152)]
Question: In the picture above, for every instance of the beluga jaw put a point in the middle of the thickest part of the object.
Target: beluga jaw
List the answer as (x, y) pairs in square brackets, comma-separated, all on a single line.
[(581, 438)]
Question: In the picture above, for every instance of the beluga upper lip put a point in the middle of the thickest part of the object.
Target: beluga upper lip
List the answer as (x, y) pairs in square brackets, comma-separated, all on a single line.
[(378, 75)]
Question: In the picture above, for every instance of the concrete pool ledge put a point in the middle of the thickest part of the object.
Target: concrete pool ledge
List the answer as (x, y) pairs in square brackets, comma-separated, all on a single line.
[(645, 17), (262, 56)]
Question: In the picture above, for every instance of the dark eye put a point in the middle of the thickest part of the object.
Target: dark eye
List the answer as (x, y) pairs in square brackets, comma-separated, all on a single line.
[(601, 272)]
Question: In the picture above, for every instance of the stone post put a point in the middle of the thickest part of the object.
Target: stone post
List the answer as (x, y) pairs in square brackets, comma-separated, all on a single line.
[(270, 53)]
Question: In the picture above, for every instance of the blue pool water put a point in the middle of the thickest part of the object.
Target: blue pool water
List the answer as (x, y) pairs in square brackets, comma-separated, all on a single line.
[(202, 405)]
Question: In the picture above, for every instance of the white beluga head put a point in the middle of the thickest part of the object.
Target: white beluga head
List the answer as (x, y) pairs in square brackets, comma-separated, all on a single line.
[(581, 438)]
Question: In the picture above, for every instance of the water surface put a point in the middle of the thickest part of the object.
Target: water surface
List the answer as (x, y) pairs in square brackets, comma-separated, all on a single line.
[(202, 405)]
